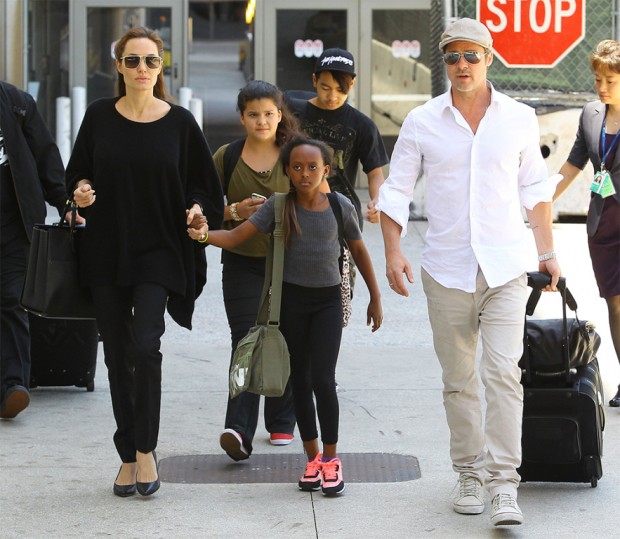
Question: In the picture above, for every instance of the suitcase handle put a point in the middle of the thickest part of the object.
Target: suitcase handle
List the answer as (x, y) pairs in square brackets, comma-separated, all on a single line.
[(537, 280)]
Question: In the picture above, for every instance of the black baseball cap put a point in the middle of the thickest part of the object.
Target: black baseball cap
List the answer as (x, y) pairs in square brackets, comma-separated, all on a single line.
[(335, 60)]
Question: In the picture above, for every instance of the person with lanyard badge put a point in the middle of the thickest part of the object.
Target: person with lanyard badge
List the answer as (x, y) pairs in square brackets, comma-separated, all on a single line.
[(597, 141)]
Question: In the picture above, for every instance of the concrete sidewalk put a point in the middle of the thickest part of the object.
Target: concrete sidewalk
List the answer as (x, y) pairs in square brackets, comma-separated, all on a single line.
[(58, 461)]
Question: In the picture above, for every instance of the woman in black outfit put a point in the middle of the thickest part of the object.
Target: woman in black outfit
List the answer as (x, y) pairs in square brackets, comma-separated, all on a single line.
[(142, 170)]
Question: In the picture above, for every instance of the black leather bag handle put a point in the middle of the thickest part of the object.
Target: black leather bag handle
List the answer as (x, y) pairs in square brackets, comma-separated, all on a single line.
[(537, 281)]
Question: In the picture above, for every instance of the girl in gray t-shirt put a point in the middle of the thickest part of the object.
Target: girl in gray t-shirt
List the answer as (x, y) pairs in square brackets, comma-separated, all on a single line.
[(311, 311)]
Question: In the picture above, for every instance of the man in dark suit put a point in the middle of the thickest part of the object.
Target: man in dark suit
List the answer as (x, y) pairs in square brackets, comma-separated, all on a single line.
[(31, 172)]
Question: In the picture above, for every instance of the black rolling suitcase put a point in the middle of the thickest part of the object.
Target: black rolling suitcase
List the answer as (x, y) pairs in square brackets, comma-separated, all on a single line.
[(63, 352), (563, 411)]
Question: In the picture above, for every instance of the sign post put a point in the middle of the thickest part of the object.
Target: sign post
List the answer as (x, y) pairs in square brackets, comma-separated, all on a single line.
[(533, 33)]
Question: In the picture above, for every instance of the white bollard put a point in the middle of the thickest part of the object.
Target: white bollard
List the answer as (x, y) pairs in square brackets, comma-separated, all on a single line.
[(185, 94), (195, 107), (78, 108), (63, 128)]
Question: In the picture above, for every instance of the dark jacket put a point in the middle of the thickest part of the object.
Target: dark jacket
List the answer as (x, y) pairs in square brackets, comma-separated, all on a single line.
[(586, 147), (36, 165)]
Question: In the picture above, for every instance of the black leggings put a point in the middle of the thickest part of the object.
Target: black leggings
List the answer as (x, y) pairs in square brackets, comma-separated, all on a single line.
[(131, 323), (311, 323)]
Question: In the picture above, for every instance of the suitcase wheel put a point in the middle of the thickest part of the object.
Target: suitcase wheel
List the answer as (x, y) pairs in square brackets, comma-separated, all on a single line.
[(91, 387), (593, 481)]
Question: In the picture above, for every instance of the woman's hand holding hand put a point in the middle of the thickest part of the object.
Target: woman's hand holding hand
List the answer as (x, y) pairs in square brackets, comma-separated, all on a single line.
[(200, 233), (194, 217)]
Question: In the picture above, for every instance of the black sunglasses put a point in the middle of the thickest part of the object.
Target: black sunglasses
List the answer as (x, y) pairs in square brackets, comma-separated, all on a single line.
[(471, 57), (133, 61)]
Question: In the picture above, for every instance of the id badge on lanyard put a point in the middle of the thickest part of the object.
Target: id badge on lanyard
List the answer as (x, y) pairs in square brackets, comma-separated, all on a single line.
[(602, 184)]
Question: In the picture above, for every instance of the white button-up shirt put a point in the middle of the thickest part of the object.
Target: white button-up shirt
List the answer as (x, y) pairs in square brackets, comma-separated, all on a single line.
[(475, 187)]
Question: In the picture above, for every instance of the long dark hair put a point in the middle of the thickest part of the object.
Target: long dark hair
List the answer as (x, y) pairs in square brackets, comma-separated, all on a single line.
[(290, 224), (259, 89), (159, 89)]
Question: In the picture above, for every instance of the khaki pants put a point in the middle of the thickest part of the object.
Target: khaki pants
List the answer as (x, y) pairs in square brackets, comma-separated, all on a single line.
[(493, 450)]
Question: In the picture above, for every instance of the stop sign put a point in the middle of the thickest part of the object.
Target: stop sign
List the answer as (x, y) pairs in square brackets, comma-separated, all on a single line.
[(533, 33)]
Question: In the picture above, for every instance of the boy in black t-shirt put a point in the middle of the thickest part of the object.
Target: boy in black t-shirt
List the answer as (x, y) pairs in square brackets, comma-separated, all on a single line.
[(351, 134)]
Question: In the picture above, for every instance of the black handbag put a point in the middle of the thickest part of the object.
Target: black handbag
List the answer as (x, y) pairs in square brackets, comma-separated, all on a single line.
[(52, 285), (555, 347)]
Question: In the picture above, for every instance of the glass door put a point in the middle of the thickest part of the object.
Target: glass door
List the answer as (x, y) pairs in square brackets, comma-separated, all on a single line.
[(295, 36), (397, 59), (97, 24)]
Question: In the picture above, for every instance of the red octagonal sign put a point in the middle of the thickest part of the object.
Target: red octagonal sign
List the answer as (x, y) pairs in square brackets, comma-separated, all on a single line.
[(533, 33)]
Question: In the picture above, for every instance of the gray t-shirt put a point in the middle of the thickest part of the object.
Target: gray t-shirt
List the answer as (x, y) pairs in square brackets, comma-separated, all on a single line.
[(311, 259)]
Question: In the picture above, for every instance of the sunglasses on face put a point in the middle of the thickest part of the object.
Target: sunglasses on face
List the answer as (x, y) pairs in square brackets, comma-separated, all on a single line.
[(471, 57), (133, 61)]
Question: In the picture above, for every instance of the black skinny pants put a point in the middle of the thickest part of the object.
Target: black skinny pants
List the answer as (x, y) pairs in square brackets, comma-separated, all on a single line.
[(311, 323), (242, 283), (131, 323), (14, 327)]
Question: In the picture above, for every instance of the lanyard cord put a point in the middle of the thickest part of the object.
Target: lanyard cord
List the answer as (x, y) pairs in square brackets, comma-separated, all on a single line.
[(605, 153)]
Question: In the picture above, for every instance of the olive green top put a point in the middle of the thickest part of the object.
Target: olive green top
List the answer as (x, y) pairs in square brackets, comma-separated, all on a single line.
[(243, 182)]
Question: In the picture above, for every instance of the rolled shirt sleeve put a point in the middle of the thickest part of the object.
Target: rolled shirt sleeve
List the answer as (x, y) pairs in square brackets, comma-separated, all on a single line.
[(396, 193)]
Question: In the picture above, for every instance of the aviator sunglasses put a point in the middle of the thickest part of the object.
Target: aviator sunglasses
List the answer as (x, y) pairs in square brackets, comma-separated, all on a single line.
[(133, 61), (471, 57)]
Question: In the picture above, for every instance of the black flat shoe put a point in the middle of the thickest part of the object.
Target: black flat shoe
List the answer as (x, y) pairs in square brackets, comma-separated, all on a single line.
[(146, 489), (615, 402), (124, 491)]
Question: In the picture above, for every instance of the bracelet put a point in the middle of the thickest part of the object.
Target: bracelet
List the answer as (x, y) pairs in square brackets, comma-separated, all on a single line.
[(546, 256), (205, 239), (233, 212)]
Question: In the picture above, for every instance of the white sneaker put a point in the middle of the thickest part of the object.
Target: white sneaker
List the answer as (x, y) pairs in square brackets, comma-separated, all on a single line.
[(468, 495), (505, 511)]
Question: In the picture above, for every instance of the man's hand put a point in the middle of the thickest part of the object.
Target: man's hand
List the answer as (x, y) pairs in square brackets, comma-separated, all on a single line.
[(395, 266), (79, 220), (551, 267)]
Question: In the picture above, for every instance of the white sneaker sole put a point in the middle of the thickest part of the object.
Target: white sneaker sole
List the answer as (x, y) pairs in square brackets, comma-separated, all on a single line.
[(507, 519), (468, 509), (280, 442), (230, 442)]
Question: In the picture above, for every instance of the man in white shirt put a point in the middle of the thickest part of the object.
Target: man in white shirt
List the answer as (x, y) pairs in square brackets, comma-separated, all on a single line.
[(479, 151)]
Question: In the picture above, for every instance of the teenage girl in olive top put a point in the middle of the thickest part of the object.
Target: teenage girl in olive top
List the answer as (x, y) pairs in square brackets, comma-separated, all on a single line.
[(150, 166), (254, 169), (311, 300)]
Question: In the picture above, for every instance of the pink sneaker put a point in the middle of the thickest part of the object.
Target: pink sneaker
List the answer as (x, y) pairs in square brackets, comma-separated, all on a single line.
[(311, 480), (331, 471), (280, 438)]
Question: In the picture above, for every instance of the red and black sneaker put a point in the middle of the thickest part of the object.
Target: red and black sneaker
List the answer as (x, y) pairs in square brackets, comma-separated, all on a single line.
[(331, 471), (311, 480)]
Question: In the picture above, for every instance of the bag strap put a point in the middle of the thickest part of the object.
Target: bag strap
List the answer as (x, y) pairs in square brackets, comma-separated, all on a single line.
[(232, 153), (336, 208), (269, 311)]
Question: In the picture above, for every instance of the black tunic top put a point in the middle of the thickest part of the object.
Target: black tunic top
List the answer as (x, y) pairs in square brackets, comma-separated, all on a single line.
[(145, 175)]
